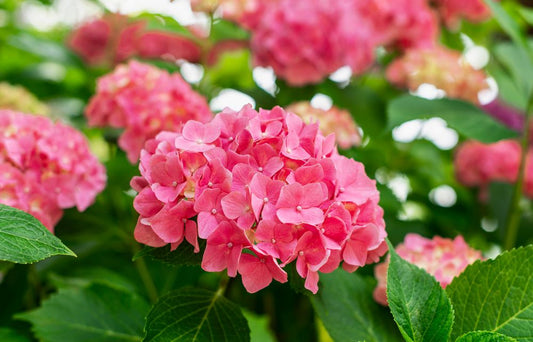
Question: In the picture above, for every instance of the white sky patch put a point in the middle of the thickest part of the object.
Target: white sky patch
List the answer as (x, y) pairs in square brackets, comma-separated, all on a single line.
[(400, 186), (61, 12), (408, 131), (230, 98), (429, 91), (341, 75), (443, 196), (321, 101), (191, 72), (265, 79), (436, 131), (489, 224), (486, 96)]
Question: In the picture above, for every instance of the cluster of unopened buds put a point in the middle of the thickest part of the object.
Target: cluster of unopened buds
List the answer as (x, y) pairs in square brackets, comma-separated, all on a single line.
[(144, 100), (46, 167), (479, 164), (264, 189), (443, 258)]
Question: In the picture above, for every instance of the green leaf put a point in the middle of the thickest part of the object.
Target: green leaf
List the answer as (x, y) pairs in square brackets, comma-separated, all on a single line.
[(516, 61), (417, 301), (183, 255), (94, 313), (23, 239), (259, 327), (464, 117), (496, 295), (527, 14), (10, 335), (195, 315), (507, 23), (348, 311), (484, 336)]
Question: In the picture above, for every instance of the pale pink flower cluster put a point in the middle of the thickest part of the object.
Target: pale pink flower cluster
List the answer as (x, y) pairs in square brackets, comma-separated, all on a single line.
[(245, 12), (443, 258), (144, 100), (441, 67), (46, 167), (479, 164), (264, 189), (333, 120), (306, 40)]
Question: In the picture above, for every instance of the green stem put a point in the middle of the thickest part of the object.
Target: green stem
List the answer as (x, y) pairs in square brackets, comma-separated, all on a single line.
[(513, 218), (222, 285), (146, 278)]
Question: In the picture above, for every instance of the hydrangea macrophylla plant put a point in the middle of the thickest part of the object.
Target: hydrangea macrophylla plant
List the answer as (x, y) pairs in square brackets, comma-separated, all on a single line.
[(443, 258), (46, 167), (452, 11), (264, 189), (333, 120), (478, 164), (441, 67), (312, 38), (144, 100)]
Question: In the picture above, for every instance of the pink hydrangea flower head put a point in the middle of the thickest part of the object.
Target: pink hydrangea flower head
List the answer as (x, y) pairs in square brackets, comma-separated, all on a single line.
[(333, 120), (46, 167), (144, 100), (265, 191), (452, 11), (306, 40), (441, 67), (167, 46), (245, 12), (443, 258), (403, 23)]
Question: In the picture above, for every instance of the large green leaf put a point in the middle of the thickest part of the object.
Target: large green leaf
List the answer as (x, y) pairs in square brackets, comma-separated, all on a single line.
[(183, 255), (195, 315), (496, 295), (484, 336), (417, 301), (23, 239), (507, 23), (464, 117), (348, 311), (516, 61), (94, 313)]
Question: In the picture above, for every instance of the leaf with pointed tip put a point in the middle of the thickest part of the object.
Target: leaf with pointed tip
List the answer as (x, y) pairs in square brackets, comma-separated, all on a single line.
[(417, 301), (94, 313), (496, 295), (24, 240), (348, 311), (464, 117), (195, 315)]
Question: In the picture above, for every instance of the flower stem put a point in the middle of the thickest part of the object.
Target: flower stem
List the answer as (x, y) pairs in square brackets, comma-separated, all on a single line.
[(513, 218), (147, 280)]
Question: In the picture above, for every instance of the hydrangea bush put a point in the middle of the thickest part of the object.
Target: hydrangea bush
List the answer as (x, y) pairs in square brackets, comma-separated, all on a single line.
[(246, 170)]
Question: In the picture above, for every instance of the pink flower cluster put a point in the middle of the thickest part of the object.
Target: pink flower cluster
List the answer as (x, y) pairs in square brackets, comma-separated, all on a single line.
[(45, 167), (145, 101), (443, 258), (478, 164), (115, 38), (333, 120), (306, 40), (264, 189), (451, 11), (441, 67)]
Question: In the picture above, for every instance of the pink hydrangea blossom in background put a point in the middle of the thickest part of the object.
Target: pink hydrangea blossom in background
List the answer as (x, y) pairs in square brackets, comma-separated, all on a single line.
[(452, 11), (264, 189), (479, 164), (115, 38), (144, 100), (403, 23), (46, 167), (443, 258), (441, 67), (306, 40), (247, 13), (333, 120)]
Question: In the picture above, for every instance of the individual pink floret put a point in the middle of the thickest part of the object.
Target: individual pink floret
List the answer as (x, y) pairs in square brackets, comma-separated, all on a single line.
[(46, 167), (144, 100), (443, 258), (266, 189)]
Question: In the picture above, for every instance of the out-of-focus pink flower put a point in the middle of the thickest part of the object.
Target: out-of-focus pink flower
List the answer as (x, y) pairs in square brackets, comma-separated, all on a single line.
[(403, 23), (452, 11), (443, 258), (245, 12), (441, 67), (46, 167), (506, 114), (333, 120), (145, 101), (306, 40), (163, 45), (266, 189)]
